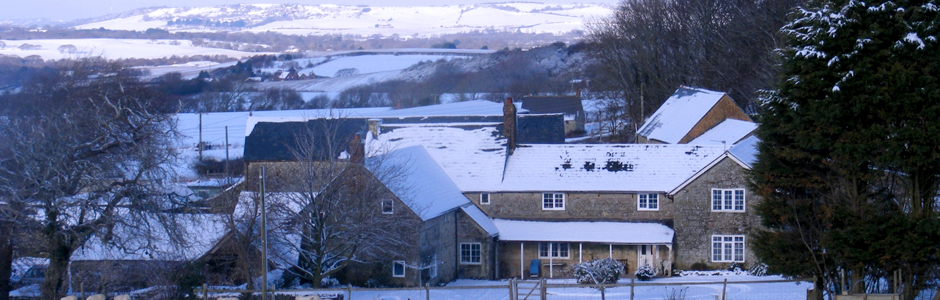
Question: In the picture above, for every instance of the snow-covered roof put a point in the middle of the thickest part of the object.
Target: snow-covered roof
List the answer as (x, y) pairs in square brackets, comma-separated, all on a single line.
[(727, 132), (466, 108), (200, 232), (481, 219), (676, 117), (746, 150), (473, 158), (606, 167), (591, 232), (422, 184), (279, 116)]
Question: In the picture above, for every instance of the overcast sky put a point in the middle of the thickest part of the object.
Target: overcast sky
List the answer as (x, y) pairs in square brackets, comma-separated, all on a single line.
[(77, 9)]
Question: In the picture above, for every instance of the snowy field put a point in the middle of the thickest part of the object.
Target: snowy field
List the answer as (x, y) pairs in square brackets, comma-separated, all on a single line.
[(407, 22), (112, 48)]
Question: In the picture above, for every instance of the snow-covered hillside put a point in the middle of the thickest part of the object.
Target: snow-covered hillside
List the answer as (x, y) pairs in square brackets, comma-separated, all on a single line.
[(407, 22), (111, 48)]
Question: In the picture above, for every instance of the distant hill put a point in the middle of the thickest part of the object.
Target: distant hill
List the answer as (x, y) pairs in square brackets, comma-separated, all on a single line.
[(405, 22)]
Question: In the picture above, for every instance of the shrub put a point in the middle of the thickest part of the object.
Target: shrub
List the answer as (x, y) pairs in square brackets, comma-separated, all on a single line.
[(598, 271), (644, 272)]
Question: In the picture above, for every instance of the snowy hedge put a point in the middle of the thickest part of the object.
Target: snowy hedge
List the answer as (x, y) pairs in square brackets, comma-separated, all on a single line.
[(598, 271)]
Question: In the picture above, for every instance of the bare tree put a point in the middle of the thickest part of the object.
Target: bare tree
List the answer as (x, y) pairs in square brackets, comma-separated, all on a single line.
[(648, 48), (84, 150), (328, 213)]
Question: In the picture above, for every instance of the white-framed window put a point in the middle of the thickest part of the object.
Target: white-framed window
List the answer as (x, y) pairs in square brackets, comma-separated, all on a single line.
[(553, 250), (484, 198), (432, 269), (398, 268), (470, 253), (728, 200), (553, 201), (388, 207), (647, 201), (728, 248)]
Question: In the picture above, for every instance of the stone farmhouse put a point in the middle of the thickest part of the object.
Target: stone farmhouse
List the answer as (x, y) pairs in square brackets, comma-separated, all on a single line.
[(503, 196)]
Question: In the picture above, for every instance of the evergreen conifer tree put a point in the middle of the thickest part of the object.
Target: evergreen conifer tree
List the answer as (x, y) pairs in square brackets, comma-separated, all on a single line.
[(850, 154)]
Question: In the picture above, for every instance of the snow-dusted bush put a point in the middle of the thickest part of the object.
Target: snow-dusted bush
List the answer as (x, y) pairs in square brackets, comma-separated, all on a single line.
[(598, 271), (644, 272), (329, 281), (758, 269)]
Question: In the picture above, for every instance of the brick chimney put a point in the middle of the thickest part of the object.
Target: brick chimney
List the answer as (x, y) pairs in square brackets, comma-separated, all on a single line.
[(509, 125), (357, 150)]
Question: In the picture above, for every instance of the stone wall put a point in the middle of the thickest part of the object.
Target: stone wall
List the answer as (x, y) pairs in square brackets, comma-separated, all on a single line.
[(620, 207), (469, 232), (695, 222)]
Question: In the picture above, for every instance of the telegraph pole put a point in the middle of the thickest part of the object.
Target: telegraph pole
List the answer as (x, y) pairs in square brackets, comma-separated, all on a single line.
[(264, 243)]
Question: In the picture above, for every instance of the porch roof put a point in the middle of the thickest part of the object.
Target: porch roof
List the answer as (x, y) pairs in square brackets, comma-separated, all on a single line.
[(591, 232)]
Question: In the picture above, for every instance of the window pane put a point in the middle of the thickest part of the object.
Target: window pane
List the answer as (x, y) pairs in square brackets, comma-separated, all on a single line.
[(484, 198), (716, 251), (716, 199), (728, 200), (543, 249), (654, 201), (562, 250), (398, 268), (727, 251), (738, 199), (547, 201), (738, 251), (559, 201), (643, 203)]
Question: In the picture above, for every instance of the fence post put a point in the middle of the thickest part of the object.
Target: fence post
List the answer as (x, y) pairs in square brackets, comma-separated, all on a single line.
[(631, 288), (544, 289), (205, 291), (427, 291), (349, 291), (724, 289), (511, 290), (603, 296), (81, 290)]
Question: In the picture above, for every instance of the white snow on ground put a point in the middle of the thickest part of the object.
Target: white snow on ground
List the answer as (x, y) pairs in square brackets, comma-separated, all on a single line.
[(188, 70), (114, 48), (499, 289), (407, 22)]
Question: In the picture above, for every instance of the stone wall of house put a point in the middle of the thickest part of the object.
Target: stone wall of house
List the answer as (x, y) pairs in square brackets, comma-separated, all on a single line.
[(578, 207), (469, 232), (696, 223), (437, 247), (509, 258)]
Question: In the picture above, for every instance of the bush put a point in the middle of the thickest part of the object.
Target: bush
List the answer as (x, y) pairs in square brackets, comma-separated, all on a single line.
[(758, 269), (598, 271), (644, 272)]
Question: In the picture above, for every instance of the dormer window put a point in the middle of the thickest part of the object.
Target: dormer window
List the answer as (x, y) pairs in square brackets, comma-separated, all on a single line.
[(484, 198)]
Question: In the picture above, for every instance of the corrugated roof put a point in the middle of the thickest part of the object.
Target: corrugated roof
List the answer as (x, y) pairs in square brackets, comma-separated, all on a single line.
[(676, 117), (590, 232), (606, 167)]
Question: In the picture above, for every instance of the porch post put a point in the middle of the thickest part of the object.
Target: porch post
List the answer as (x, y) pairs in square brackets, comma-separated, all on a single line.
[(551, 263), (610, 251), (580, 253), (521, 259)]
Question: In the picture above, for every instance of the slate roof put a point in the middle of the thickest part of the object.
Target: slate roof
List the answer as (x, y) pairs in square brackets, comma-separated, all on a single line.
[(728, 132), (746, 150), (472, 157), (604, 167), (466, 108), (540, 129), (570, 106), (591, 232), (676, 117), (422, 185), (276, 141)]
